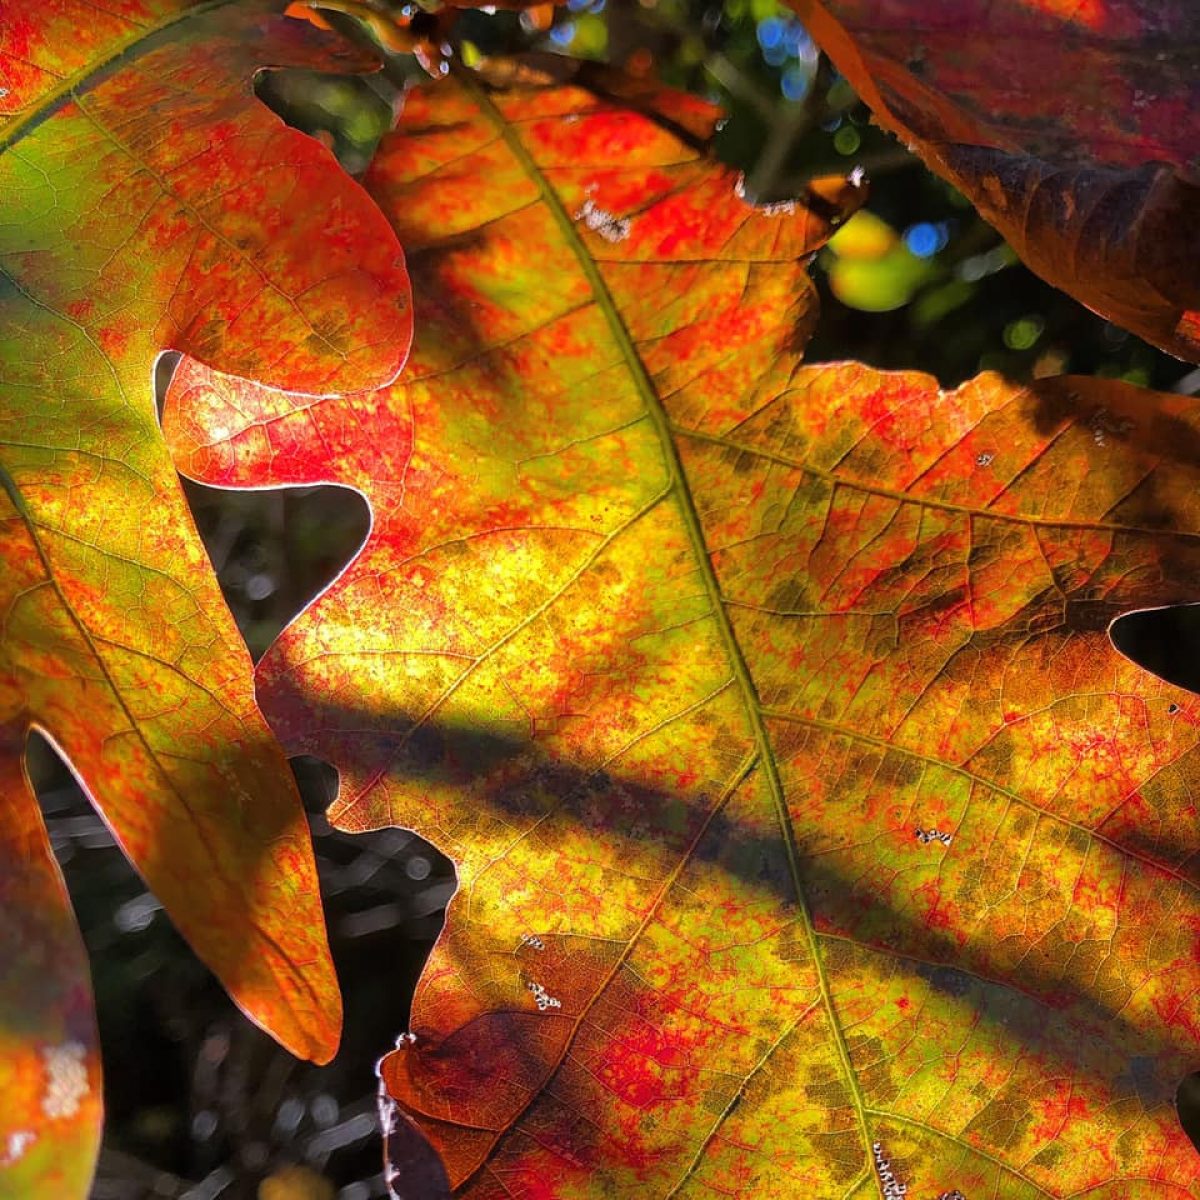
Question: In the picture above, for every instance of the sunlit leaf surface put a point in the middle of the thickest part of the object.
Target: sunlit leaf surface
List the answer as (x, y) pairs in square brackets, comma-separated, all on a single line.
[(808, 827), (1073, 126), (147, 202)]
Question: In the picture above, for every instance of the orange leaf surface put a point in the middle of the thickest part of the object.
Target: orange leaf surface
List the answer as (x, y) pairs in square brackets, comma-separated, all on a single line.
[(148, 202), (809, 829), (1074, 127)]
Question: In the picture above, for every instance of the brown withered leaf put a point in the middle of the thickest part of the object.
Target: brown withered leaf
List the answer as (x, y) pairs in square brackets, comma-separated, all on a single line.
[(1073, 127)]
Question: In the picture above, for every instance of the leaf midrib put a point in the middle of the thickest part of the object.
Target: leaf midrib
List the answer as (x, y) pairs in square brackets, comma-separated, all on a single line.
[(678, 486), (93, 72)]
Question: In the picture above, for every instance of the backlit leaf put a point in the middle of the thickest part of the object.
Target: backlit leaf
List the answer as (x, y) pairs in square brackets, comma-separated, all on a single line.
[(808, 826), (149, 202), (1073, 127)]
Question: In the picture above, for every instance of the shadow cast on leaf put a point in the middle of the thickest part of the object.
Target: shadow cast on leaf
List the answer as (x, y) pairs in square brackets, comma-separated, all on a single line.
[(1035, 1009)]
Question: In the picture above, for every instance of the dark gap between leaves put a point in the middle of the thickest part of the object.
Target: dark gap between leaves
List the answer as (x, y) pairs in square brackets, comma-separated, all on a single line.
[(1163, 641), (274, 549), (1187, 1104), (347, 114), (199, 1100)]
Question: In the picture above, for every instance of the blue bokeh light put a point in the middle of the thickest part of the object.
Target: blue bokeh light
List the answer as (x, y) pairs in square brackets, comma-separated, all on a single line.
[(925, 239), (561, 35), (770, 33), (796, 83)]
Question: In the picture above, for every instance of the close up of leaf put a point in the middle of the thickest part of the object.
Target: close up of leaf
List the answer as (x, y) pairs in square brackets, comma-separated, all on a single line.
[(806, 820), (1072, 126), (149, 202)]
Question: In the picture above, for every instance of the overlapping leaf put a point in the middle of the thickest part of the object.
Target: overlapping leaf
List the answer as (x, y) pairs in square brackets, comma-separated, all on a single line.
[(1075, 129), (800, 803), (148, 202)]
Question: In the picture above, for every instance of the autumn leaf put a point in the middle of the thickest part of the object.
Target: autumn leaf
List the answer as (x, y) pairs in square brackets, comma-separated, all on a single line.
[(810, 831), (149, 202), (1072, 127)]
